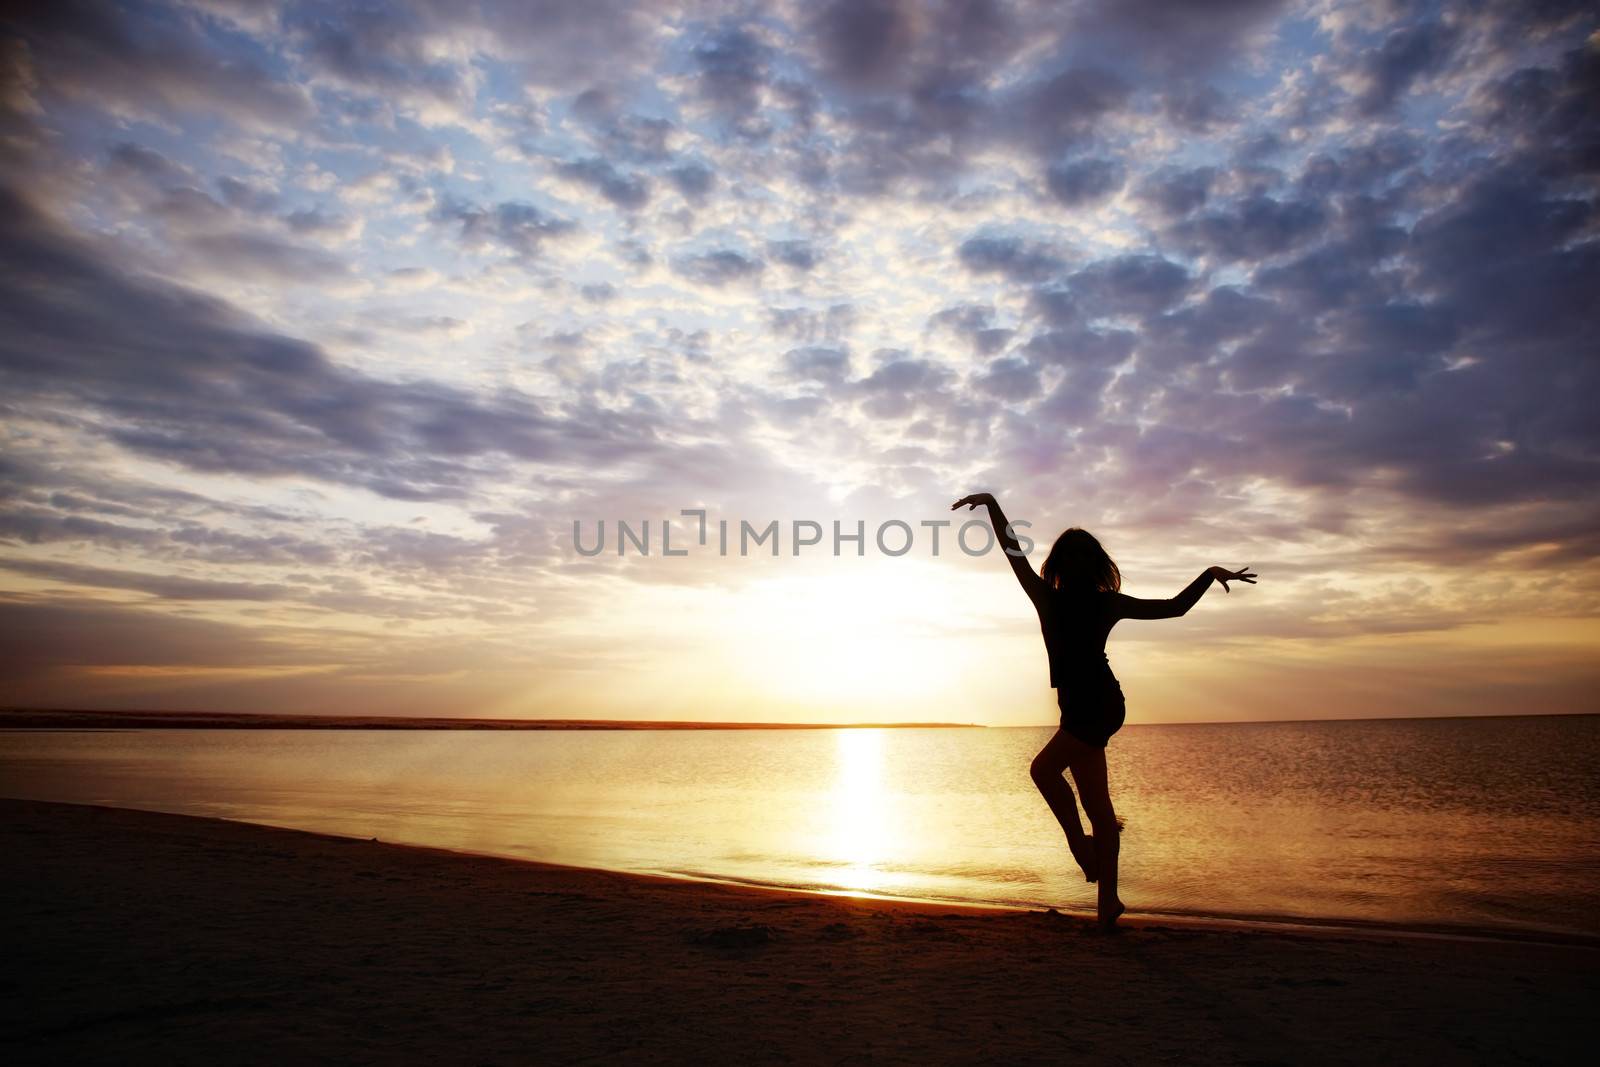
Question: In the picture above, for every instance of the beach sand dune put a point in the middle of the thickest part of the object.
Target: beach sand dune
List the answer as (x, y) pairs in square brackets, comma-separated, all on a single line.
[(165, 938)]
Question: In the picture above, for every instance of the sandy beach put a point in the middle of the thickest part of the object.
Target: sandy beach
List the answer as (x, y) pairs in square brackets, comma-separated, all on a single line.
[(133, 935)]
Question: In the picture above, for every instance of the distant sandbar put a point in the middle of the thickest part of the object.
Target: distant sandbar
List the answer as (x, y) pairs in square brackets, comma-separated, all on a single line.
[(69, 719)]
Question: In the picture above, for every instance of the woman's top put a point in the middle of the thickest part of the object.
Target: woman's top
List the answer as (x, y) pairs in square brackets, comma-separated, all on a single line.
[(1075, 628)]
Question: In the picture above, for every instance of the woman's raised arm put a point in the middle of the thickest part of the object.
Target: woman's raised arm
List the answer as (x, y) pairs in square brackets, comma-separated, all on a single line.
[(1031, 583), (1132, 607)]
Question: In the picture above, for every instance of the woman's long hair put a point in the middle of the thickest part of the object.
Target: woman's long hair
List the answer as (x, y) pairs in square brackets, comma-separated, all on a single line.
[(1077, 564)]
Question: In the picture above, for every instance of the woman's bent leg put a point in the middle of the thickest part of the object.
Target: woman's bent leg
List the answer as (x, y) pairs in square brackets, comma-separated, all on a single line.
[(1047, 770), (1089, 771)]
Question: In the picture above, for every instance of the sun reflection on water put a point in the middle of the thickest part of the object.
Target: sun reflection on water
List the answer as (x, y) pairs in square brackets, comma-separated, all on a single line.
[(859, 830)]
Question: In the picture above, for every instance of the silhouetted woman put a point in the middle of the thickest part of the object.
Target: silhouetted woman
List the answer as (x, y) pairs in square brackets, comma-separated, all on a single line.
[(1078, 597)]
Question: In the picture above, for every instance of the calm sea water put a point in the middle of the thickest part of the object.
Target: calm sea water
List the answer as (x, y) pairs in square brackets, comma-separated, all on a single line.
[(1488, 824)]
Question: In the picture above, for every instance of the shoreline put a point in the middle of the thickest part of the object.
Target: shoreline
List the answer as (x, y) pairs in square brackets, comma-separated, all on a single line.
[(1133, 918), (188, 939), (1265, 924)]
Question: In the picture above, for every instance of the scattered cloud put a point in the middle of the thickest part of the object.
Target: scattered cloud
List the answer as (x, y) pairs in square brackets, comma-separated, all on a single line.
[(339, 314)]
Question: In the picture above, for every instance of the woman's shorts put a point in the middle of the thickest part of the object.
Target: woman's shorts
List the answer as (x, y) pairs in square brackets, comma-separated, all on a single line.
[(1093, 712)]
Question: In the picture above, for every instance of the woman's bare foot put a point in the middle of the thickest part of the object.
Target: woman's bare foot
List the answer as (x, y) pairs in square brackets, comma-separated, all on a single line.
[(1085, 856), (1108, 920)]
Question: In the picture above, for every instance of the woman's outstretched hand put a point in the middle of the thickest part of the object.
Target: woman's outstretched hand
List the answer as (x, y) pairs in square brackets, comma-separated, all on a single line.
[(1223, 576), (973, 501)]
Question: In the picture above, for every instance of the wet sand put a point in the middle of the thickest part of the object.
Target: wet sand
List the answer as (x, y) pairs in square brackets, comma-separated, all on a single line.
[(166, 938)]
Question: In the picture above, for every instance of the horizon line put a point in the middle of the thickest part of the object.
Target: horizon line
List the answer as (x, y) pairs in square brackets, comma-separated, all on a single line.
[(245, 720), (85, 718)]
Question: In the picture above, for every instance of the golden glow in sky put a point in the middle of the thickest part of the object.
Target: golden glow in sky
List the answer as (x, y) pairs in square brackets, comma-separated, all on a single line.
[(319, 329)]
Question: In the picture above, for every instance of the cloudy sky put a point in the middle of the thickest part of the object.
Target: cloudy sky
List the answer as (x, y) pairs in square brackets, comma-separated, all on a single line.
[(320, 324)]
